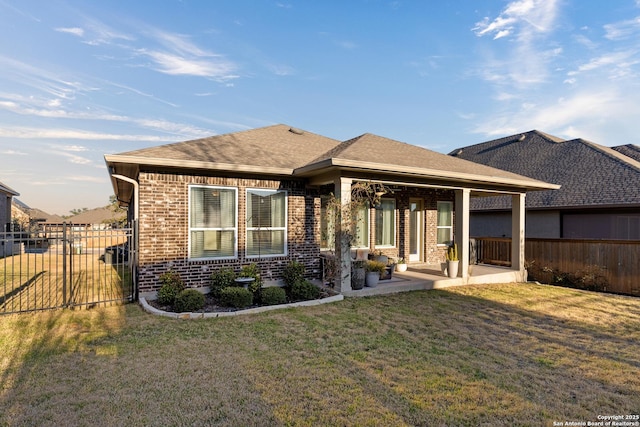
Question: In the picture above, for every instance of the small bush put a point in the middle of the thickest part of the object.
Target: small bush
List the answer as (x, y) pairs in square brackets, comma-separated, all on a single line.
[(236, 296), (304, 290), (223, 278), (171, 285), (273, 295), (293, 273), (188, 300)]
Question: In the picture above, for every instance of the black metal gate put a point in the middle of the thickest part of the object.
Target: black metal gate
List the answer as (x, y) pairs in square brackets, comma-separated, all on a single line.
[(66, 265)]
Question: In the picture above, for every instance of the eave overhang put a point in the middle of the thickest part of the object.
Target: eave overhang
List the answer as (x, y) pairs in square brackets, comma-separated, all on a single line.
[(467, 180)]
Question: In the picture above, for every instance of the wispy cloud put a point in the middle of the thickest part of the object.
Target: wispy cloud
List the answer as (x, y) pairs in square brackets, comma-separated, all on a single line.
[(76, 31), (53, 109), (13, 153), (58, 133), (525, 23), (622, 30), (577, 111), (616, 64), (180, 56)]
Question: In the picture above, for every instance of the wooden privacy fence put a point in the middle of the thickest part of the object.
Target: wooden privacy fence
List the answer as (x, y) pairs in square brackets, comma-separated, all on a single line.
[(600, 265)]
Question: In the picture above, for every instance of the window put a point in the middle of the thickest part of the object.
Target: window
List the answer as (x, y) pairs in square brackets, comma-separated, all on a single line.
[(445, 223), (213, 226), (360, 226), (386, 223), (266, 222)]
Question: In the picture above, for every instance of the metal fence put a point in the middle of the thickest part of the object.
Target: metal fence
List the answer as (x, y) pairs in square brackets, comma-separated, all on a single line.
[(65, 265)]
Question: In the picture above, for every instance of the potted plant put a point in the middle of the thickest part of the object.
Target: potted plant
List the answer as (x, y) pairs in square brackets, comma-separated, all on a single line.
[(358, 274), (452, 260), (401, 265), (374, 270)]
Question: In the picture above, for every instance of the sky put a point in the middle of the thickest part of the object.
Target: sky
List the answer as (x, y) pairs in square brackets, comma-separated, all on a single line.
[(81, 79)]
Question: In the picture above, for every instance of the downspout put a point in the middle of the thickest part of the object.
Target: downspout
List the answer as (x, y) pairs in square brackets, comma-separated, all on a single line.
[(134, 260)]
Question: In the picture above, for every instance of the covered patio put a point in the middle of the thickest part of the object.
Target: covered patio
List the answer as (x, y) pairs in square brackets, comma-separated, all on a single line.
[(404, 221), (425, 277)]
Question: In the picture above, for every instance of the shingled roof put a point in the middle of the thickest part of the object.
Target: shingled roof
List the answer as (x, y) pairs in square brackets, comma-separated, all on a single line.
[(591, 175), (629, 150), (286, 151), (275, 149), (380, 154)]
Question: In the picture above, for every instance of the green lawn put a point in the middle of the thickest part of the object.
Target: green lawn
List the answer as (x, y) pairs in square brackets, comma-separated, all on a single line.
[(480, 355)]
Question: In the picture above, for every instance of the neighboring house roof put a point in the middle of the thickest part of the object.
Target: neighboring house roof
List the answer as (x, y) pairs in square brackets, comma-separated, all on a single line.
[(7, 190), (629, 150), (286, 151), (96, 216), (591, 175), (40, 215)]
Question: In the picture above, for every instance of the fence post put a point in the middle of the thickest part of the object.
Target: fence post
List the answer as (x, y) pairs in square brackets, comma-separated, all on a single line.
[(64, 264)]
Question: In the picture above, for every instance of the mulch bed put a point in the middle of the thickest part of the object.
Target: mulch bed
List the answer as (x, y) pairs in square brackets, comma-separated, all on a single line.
[(211, 305)]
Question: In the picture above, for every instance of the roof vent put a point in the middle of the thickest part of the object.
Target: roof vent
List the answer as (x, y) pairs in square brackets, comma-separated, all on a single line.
[(522, 137), (296, 131)]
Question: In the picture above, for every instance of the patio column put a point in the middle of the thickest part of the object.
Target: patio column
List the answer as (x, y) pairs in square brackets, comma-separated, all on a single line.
[(517, 231), (462, 230), (343, 249)]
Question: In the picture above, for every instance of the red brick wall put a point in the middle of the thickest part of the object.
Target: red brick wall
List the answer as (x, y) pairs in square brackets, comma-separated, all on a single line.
[(164, 229)]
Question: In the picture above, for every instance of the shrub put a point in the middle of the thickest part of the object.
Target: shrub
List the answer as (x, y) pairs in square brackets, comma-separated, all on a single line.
[(293, 273), (304, 290), (376, 266), (252, 270), (223, 278), (273, 295), (188, 300), (171, 285), (236, 296)]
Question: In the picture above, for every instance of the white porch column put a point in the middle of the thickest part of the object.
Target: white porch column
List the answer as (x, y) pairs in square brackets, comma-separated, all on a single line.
[(343, 249), (462, 230), (517, 232)]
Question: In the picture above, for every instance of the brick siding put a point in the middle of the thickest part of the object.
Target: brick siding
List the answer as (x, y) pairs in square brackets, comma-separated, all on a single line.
[(164, 229)]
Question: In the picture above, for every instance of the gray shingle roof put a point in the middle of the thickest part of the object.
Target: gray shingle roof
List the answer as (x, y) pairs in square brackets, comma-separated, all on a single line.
[(629, 150), (590, 174)]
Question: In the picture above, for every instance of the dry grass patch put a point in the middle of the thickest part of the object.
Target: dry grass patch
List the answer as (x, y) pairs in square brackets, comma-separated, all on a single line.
[(479, 355)]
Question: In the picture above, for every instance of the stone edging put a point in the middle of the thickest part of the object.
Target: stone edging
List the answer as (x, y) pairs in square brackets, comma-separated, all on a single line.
[(150, 309)]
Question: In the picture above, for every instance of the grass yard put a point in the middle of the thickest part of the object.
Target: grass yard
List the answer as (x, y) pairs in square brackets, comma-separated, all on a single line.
[(517, 354)]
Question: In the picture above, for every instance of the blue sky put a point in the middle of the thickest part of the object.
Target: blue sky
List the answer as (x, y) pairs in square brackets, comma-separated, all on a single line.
[(81, 79)]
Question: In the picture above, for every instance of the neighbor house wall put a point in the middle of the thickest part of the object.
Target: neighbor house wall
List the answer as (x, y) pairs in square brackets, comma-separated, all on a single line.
[(164, 229), (538, 224)]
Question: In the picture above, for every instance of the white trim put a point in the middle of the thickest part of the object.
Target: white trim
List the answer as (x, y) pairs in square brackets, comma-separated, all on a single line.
[(438, 227), (285, 228), (190, 229)]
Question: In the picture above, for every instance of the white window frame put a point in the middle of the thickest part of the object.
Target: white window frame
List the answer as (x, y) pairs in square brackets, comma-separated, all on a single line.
[(234, 228), (284, 229), (395, 228), (439, 227)]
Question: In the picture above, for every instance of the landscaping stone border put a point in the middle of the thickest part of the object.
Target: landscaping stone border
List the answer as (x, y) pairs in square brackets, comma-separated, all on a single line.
[(202, 315)]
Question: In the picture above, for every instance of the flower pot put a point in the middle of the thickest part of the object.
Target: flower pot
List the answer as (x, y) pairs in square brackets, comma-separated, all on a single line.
[(372, 279), (401, 267), (357, 278), (452, 268)]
